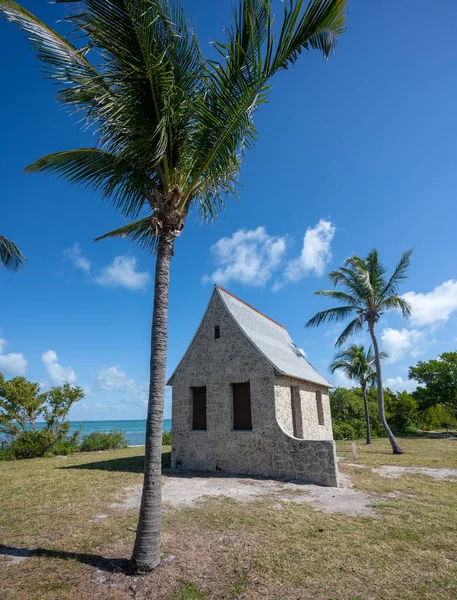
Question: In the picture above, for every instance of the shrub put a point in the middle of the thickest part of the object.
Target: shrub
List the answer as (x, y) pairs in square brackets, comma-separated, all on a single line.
[(68, 445), (344, 431), (5, 453), (22, 404), (166, 438), (31, 444), (98, 440)]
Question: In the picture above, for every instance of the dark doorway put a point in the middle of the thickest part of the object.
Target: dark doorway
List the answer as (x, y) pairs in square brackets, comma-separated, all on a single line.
[(199, 408), (242, 406)]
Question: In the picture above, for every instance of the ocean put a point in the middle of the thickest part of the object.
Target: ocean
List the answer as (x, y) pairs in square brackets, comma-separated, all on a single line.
[(134, 431)]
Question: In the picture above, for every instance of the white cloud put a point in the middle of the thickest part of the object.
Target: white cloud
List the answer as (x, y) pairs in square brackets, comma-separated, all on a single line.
[(78, 260), (12, 364), (123, 273), (402, 342), (249, 256), (58, 374), (315, 255), (113, 379), (435, 306), (398, 384), (342, 380)]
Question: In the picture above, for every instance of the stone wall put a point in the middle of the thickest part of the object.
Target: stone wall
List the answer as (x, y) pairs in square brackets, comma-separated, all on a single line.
[(311, 430), (267, 450)]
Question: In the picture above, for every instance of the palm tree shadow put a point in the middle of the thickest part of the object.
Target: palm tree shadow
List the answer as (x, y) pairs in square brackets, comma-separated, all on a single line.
[(131, 464), (110, 565)]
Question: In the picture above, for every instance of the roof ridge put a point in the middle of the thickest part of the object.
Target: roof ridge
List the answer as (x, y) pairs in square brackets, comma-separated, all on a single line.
[(249, 306)]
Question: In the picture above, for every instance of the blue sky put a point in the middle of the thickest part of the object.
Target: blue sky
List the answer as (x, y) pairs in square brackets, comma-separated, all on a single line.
[(353, 153)]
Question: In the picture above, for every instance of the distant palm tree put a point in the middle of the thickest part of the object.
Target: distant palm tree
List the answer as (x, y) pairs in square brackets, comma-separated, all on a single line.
[(369, 294), (357, 364), (10, 255), (171, 129)]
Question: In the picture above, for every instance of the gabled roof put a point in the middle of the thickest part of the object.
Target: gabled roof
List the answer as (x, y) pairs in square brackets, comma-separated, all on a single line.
[(270, 338)]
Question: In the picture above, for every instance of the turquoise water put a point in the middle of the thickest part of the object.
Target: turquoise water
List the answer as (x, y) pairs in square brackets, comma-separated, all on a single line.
[(134, 431)]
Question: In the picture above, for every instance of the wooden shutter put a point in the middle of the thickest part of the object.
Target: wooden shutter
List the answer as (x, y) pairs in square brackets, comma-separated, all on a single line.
[(242, 406), (199, 408), (297, 419), (320, 409)]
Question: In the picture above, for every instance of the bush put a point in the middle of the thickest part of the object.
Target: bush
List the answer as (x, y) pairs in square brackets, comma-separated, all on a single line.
[(31, 444), (5, 453), (98, 440), (66, 446), (166, 438), (344, 431)]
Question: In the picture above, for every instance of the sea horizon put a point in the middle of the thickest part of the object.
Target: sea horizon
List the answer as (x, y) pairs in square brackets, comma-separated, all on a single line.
[(134, 430)]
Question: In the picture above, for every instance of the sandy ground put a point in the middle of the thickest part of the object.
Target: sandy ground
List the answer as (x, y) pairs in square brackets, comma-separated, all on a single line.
[(394, 471), (187, 490)]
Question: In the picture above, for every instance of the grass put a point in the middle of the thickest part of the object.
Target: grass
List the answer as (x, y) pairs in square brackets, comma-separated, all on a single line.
[(220, 549)]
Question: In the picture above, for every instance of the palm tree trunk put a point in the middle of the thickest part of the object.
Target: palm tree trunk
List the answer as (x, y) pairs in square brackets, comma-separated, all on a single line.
[(367, 414), (146, 553), (396, 449)]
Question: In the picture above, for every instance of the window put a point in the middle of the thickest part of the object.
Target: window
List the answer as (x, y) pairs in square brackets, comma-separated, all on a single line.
[(297, 420), (199, 408), (217, 332), (242, 406), (320, 409)]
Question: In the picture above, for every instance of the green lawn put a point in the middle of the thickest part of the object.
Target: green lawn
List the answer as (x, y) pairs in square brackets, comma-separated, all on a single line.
[(58, 511)]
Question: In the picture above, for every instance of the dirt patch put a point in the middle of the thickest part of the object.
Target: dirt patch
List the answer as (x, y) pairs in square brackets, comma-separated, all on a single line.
[(392, 471), (395, 471), (188, 490)]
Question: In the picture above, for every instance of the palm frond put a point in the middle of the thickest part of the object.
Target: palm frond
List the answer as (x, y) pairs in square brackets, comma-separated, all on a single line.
[(342, 297), (400, 273), (141, 232), (10, 255), (331, 315), (116, 178), (398, 303), (354, 326), (317, 27)]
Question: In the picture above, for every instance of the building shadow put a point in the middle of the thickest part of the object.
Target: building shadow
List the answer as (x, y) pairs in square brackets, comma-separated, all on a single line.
[(130, 464), (110, 565)]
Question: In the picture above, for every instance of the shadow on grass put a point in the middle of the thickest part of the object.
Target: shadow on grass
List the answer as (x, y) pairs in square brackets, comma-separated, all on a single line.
[(130, 464), (111, 565)]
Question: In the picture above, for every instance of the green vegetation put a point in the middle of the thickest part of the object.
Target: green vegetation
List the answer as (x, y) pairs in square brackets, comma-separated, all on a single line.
[(357, 364), (222, 549), (368, 295), (10, 255), (22, 404), (439, 381), (403, 411), (166, 438), (98, 440)]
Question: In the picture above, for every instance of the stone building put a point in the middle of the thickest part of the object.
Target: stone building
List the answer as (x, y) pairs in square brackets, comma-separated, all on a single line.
[(246, 400)]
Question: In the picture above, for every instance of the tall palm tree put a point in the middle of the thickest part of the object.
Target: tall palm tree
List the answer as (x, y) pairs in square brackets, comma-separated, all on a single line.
[(10, 255), (357, 364), (368, 295), (171, 127)]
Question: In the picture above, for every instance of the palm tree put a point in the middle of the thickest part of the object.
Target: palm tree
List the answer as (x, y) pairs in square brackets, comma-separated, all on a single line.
[(171, 129), (368, 295), (357, 364), (10, 255)]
